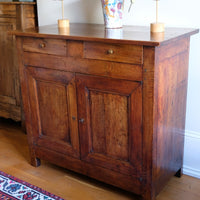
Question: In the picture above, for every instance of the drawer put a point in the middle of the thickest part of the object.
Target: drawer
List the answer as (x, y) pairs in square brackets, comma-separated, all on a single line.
[(124, 53), (45, 46), (7, 10)]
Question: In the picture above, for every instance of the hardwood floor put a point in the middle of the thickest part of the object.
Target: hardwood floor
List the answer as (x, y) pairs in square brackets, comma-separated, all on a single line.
[(14, 160)]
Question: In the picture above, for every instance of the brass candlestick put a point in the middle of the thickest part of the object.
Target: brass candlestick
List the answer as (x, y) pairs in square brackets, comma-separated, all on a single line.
[(157, 27), (63, 24)]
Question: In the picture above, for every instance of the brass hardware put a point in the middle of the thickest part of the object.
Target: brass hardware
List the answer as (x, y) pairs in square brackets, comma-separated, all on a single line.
[(110, 51), (42, 45), (81, 120)]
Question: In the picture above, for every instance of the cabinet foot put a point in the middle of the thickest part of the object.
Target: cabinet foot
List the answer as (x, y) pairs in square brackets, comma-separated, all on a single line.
[(179, 173), (148, 196), (35, 162)]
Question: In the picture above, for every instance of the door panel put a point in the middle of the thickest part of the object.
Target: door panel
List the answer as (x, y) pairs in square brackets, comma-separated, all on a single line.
[(109, 138), (53, 110), (110, 123), (59, 110), (7, 65)]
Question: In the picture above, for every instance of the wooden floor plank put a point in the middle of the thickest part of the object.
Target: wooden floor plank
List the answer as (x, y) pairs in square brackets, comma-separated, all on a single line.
[(14, 160)]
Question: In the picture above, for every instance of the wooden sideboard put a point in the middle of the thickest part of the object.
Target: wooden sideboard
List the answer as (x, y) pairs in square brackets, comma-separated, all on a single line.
[(13, 15), (112, 108)]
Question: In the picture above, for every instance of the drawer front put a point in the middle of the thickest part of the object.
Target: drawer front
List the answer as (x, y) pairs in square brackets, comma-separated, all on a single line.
[(45, 46), (7, 10), (114, 52)]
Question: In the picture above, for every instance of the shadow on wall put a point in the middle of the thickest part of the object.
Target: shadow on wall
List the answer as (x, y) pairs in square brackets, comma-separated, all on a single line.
[(85, 11)]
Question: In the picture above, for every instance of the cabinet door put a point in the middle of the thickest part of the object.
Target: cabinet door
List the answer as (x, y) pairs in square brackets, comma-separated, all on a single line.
[(110, 123), (52, 96)]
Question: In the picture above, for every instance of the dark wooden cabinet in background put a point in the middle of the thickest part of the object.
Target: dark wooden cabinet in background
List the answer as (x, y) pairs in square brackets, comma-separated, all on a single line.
[(13, 15), (112, 109)]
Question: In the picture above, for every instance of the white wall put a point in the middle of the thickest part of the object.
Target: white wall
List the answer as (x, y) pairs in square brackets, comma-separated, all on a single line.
[(179, 13)]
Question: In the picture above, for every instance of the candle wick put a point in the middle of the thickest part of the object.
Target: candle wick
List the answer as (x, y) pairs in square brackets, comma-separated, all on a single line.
[(156, 11), (62, 9)]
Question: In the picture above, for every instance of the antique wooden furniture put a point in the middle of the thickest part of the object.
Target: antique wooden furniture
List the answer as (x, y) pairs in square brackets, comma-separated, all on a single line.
[(109, 108), (13, 15)]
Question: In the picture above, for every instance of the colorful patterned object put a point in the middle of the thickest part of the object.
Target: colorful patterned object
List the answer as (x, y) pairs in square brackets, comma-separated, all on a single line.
[(113, 11), (12, 188)]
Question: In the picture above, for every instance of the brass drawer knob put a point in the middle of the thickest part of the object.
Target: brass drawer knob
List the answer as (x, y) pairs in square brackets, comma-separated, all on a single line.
[(110, 51), (42, 45)]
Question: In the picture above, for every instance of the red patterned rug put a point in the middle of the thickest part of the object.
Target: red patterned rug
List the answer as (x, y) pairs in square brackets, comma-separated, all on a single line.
[(12, 188)]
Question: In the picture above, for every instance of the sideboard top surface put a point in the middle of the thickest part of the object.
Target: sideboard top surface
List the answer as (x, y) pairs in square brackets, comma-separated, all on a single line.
[(128, 34), (16, 3)]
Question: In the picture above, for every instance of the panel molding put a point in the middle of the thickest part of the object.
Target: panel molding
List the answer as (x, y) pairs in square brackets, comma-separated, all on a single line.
[(192, 134), (187, 170), (190, 162)]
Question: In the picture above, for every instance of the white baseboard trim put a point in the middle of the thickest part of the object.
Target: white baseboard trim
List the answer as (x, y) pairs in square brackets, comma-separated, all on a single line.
[(191, 172), (192, 134), (192, 140)]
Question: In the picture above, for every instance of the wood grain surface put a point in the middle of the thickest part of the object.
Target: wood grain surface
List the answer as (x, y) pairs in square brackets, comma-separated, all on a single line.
[(13, 16), (14, 160), (106, 108)]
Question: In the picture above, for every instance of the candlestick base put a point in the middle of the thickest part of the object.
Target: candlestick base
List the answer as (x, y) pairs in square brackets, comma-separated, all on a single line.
[(157, 27), (63, 23), (64, 31), (63, 26), (157, 36)]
